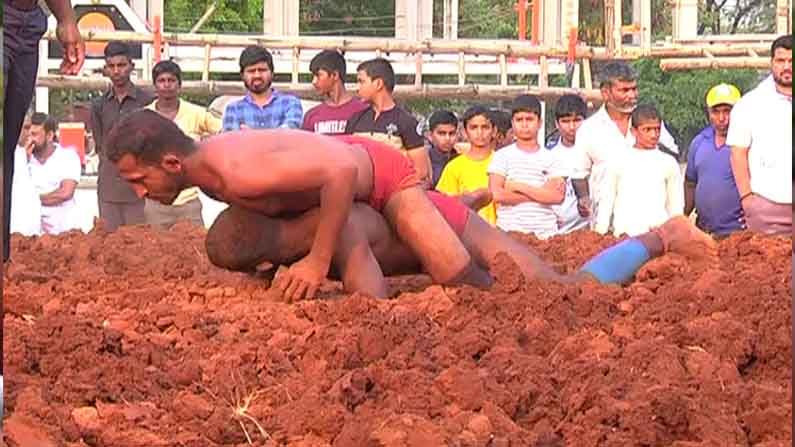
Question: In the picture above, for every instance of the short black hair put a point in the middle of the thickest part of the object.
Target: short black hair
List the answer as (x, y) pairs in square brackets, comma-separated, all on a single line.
[(167, 66), (116, 48), (526, 103), (501, 119), (570, 104), (330, 61), (440, 117), (147, 136), (379, 68), (784, 42), (616, 71), (254, 54), (476, 110), (644, 113), (44, 120)]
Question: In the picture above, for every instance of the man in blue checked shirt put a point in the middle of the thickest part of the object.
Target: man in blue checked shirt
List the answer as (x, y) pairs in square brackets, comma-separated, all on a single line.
[(263, 107)]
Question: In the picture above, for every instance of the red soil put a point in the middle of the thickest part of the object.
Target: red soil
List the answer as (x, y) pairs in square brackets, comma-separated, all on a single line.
[(134, 339)]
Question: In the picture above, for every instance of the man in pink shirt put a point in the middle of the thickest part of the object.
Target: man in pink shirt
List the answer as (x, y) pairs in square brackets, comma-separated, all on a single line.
[(328, 77)]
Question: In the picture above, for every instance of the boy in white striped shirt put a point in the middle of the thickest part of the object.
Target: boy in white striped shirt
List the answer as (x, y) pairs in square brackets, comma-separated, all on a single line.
[(643, 186), (525, 180)]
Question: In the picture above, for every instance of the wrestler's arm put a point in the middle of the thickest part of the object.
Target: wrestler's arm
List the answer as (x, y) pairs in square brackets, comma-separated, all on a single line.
[(299, 170)]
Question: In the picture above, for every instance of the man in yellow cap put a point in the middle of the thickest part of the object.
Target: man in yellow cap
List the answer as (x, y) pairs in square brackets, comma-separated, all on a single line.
[(709, 184)]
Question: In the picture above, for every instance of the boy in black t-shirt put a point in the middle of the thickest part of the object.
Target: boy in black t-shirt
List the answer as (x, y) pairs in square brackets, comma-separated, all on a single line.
[(384, 120)]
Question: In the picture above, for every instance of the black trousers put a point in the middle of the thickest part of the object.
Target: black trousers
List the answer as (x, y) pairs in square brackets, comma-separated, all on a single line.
[(21, 34)]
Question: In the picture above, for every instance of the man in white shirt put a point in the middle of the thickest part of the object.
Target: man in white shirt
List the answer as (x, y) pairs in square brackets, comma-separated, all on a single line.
[(55, 172), (760, 137), (25, 203), (606, 133), (643, 186)]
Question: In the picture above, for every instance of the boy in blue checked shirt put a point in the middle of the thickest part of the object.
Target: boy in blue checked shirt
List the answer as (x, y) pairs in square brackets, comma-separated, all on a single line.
[(263, 107)]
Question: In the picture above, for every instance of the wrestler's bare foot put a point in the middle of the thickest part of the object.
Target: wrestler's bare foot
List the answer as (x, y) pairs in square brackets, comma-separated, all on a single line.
[(679, 235), (476, 200)]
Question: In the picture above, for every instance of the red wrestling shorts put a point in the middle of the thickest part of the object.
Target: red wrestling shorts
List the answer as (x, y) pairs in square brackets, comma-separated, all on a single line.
[(452, 209), (392, 172)]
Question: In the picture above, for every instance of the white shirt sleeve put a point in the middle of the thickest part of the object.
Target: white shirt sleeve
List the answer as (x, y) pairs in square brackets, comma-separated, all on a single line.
[(558, 167), (607, 198), (69, 165), (581, 166), (739, 127), (675, 190), (499, 163)]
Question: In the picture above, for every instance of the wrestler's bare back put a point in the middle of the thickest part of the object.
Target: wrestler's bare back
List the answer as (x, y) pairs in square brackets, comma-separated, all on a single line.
[(276, 172)]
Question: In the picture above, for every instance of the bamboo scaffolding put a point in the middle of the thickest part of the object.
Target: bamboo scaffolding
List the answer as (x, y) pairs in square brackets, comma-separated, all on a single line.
[(470, 91), (510, 48), (714, 63)]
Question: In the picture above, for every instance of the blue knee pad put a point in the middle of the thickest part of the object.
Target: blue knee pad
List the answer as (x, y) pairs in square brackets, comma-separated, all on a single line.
[(619, 263)]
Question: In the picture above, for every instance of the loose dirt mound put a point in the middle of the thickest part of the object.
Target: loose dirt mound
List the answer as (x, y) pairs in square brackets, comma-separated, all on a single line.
[(133, 339)]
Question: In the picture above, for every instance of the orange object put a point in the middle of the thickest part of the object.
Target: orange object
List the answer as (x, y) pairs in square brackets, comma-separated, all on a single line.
[(572, 54), (536, 19), (157, 38), (73, 135), (521, 9)]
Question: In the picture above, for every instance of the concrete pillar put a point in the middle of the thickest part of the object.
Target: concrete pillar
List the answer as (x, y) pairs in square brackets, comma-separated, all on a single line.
[(641, 15), (783, 17), (280, 17), (450, 31), (551, 32), (569, 16), (414, 19), (42, 98), (147, 9), (685, 18)]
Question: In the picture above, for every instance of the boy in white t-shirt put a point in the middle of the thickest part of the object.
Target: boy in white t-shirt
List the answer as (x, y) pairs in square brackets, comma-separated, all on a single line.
[(56, 173), (570, 112), (643, 186), (526, 180)]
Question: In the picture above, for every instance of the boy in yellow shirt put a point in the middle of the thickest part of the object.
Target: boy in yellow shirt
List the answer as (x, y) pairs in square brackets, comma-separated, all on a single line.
[(466, 174)]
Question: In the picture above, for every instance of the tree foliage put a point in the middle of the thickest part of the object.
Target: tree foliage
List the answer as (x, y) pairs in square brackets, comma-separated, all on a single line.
[(681, 96)]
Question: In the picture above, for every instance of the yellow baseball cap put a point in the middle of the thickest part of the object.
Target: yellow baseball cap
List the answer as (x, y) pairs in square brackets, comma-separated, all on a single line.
[(723, 94)]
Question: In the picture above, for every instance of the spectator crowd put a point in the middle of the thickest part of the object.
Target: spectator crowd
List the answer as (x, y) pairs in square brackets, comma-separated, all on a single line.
[(615, 171)]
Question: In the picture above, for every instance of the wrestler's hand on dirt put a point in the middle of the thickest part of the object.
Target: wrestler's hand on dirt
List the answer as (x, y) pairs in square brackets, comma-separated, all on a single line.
[(302, 279), (74, 49), (584, 206)]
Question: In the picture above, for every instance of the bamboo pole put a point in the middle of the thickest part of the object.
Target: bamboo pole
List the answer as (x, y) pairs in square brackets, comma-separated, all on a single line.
[(418, 71), (609, 16), (210, 10), (296, 66), (586, 74), (543, 74), (206, 72), (510, 48), (462, 74), (503, 70), (306, 90), (575, 76), (713, 63)]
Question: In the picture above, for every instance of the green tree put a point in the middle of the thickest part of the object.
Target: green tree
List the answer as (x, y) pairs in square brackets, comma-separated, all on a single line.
[(680, 96), (230, 16), (372, 18)]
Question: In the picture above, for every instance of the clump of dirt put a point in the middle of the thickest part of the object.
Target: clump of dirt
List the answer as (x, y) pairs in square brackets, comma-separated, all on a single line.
[(134, 339)]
